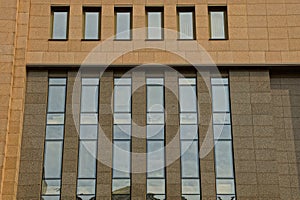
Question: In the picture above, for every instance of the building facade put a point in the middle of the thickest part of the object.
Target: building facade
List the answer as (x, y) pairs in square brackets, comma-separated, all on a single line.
[(177, 99)]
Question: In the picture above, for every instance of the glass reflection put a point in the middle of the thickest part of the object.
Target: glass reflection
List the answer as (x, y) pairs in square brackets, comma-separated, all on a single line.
[(188, 118), (89, 99), (189, 159), (217, 19), (122, 118), (221, 99), (155, 132), (189, 132), (224, 162), (86, 186), (155, 118), (53, 159), (54, 132), (91, 25), (154, 25), (60, 25), (190, 186), (55, 119), (88, 131), (155, 159), (87, 159), (121, 159), (155, 186), (188, 98), (225, 186), (122, 99), (123, 25), (121, 186), (51, 187), (56, 98), (186, 27)]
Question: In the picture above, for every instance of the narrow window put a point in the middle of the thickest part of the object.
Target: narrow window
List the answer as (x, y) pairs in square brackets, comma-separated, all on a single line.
[(121, 182), (60, 22), (225, 178), (91, 23), (189, 140), (54, 140), (155, 139), (88, 137), (154, 23), (123, 23), (186, 23), (218, 22)]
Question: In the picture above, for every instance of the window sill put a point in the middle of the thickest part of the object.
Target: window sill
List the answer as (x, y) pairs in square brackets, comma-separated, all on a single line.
[(122, 39), (186, 39), (58, 40), (154, 39), (211, 39), (90, 40)]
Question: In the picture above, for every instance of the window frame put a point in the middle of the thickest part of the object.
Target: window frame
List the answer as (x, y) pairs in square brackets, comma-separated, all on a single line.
[(218, 9), (123, 10), (186, 9), (59, 9), (86, 9), (149, 9)]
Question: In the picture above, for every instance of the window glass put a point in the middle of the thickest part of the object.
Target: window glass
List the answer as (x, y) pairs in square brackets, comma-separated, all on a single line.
[(189, 159), (121, 186), (189, 132), (155, 161), (122, 118), (190, 186), (122, 132), (88, 131), (191, 197), (89, 119), (155, 132), (87, 159), (56, 99), (55, 118), (155, 99), (89, 100), (188, 98), (217, 19), (155, 186), (224, 167), (60, 23), (91, 25), (86, 187), (51, 187), (54, 132), (222, 132), (121, 159), (188, 118), (155, 118), (123, 25), (186, 25), (225, 186), (154, 25), (122, 99), (221, 99), (53, 159), (50, 197)]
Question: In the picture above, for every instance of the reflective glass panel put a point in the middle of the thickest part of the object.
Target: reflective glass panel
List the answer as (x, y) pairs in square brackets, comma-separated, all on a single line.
[(121, 159), (155, 81), (155, 99), (219, 81), (220, 99), (188, 118), (57, 81), (155, 186), (122, 118), (217, 19), (122, 96), (122, 81), (191, 197), (188, 98), (155, 132), (89, 119), (222, 131), (154, 25), (51, 197), (56, 99), (224, 162), (91, 25), (123, 26), (225, 186), (122, 132), (51, 187), (87, 159), (155, 118), (60, 21), (190, 186), (88, 131), (53, 159), (186, 26), (86, 186), (54, 132), (90, 81), (155, 159), (187, 81), (55, 118), (189, 159), (188, 132), (121, 186), (226, 197), (221, 118), (89, 99)]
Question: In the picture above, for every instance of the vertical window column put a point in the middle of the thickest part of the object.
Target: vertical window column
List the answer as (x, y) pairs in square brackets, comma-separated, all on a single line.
[(121, 180), (51, 183), (155, 139), (189, 141), (87, 159), (225, 180)]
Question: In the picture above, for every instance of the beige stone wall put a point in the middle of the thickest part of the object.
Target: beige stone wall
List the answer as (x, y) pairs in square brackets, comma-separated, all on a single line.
[(260, 32)]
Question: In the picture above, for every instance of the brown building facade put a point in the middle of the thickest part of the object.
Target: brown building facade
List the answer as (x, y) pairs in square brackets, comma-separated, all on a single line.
[(240, 60)]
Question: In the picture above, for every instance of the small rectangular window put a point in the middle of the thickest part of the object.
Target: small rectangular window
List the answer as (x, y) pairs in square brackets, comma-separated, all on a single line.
[(154, 23), (218, 22), (186, 23), (91, 23), (60, 18), (123, 23)]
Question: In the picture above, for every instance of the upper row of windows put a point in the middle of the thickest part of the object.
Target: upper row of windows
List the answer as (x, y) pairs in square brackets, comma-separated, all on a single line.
[(155, 23)]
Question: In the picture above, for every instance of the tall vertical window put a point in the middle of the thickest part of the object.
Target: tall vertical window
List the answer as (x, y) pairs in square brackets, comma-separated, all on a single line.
[(186, 23), (218, 22), (54, 140), (91, 23), (123, 23), (225, 181), (60, 22), (88, 137), (155, 139), (121, 183), (189, 141), (154, 23)]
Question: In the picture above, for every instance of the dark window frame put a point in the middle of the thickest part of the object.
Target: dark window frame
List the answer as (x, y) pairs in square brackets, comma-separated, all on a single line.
[(123, 10), (218, 9), (160, 9), (86, 9), (59, 9), (186, 9)]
